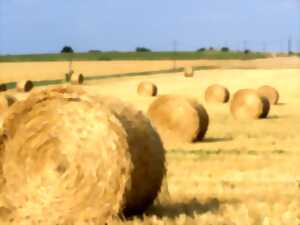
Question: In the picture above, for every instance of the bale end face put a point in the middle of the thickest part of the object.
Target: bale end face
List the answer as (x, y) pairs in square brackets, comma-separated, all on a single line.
[(217, 94), (270, 93), (248, 104), (70, 142), (147, 89), (25, 86)]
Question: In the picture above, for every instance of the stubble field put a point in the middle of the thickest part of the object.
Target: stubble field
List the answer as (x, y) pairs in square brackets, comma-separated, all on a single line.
[(242, 172)]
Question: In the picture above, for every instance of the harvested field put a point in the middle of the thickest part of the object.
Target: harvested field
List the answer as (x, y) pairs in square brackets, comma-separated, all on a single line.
[(242, 172), (57, 70)]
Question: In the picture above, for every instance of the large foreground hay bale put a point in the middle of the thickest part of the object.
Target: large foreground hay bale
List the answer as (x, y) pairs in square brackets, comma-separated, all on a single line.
[(147, 154), (77, 79), (68, 165), (178, 119), (270, 93), (217, 94), (248, 104), (3, 87), (188, 71), (147, 89), (24, 86)]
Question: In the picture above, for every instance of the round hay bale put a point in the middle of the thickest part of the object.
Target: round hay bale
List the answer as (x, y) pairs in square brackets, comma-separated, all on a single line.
[(6, 101), (59, 168), (3, 87), (147, 89), (24, 86), (217, 94), (77, 79), (188, 71), (270, 93), (178, 119), (248, 104), (147, 154)]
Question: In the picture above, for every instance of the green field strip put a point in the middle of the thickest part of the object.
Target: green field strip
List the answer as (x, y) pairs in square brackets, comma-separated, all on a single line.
[(12, 85)]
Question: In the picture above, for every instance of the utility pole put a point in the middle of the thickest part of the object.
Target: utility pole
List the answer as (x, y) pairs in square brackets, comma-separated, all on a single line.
[(70, 64), (245, 45), (290, 45), (264, 46), (175, 54)]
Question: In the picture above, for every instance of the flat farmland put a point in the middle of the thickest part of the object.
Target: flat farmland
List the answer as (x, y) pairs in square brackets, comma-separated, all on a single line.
[(242, 172)]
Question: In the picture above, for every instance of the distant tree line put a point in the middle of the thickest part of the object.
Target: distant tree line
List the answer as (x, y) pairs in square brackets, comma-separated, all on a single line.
[(142, 49), (69, 49)]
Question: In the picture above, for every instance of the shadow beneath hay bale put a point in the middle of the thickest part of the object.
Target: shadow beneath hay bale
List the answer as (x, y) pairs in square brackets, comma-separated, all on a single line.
[(275, 117), (215, 140), (280, 104), (191, 208)]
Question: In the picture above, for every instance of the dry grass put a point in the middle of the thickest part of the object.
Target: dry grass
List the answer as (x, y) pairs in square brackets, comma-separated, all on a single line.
[(241, 173), (56, 70)]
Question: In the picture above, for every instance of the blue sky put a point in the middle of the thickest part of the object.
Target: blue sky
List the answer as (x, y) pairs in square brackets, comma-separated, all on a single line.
[(40, 26)]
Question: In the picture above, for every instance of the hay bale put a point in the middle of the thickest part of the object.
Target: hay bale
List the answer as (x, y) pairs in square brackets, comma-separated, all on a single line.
[(217, 94), (68, 165), (147, 89), (178, 119), (5, 102), (188, 71), (69, 75), (270, 93), (3, 87), (248, 104), (147, 154), (77, 79), (24, 86)]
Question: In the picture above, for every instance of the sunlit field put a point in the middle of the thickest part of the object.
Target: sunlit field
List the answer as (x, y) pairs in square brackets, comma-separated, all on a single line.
[(243, 172)]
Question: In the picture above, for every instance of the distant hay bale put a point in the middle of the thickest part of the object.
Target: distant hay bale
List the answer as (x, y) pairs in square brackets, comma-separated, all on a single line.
[(3, 87), (147, 89), (217, 94), (248, 104), (270, 93), (178, 119), (69, 75), (68, 165), (188, 71), (147, 153), (77, 79), (24, 86), (5, 102)]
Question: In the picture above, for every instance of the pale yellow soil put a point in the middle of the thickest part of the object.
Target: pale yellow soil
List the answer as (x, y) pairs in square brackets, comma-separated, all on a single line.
[(243, 172)]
